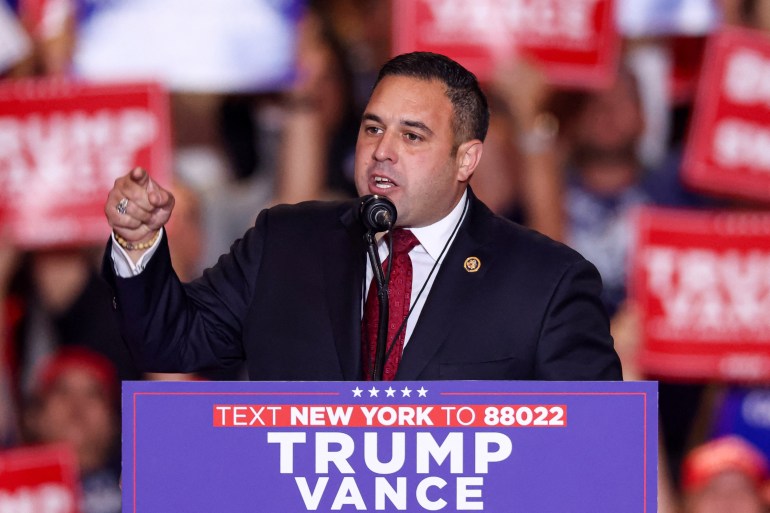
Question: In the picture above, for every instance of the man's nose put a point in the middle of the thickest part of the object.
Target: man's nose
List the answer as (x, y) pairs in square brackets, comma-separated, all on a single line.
[(386, 148)]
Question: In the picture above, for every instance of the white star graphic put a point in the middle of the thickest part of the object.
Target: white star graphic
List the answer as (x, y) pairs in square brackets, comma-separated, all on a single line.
[(373, 392), (405, 392), (423, 392), (356, 392), (391, 392)]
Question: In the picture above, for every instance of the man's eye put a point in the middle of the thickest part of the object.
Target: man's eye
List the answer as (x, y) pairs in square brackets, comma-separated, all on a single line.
[(412, 137), (374, 130)]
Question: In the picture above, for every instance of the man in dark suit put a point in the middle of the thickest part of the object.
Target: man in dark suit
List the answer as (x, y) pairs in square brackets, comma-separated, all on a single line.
[(489, 299)]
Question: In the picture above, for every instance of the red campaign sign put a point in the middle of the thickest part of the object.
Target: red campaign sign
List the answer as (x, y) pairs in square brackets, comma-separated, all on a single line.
[(728, 150), (62, 144), (575, 41), (702, 284), (40, 479)]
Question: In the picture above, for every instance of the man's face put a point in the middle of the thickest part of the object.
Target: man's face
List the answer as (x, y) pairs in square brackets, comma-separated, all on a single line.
[(405, 150), (77, 410), (611, 118)]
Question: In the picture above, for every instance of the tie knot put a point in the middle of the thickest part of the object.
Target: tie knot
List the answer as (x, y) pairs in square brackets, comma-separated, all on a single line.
[(403, 241)]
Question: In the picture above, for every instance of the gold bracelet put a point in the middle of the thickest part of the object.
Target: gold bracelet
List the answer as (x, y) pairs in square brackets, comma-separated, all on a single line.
[(130, 246)]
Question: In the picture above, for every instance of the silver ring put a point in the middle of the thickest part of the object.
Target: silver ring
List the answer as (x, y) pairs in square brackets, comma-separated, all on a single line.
[(122, 206)]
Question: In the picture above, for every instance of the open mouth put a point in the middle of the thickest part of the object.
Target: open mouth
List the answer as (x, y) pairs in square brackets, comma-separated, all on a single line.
[(381, 182)]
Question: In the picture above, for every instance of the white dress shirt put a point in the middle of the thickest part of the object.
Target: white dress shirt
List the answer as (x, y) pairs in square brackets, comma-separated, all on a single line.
[(433, 239)]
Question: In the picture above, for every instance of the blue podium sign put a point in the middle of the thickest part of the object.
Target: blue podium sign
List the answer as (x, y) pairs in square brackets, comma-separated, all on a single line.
[(448, 446)]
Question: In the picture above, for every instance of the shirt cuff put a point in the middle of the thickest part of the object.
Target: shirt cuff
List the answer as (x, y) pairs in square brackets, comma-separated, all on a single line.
[(122, 263)]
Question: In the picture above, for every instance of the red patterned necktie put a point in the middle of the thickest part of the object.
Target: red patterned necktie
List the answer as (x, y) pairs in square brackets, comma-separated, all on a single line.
[(400, 289)]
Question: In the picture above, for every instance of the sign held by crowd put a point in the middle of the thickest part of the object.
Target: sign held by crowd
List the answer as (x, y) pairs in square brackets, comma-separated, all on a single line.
[(701, 282), (62, 144), (575, 41), (728, 150)]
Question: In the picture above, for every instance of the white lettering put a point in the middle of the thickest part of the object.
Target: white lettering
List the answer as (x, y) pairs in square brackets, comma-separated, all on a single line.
[(311, 499), (348, 494), (383, 490), (742, 144), (747, 78), (465, 493), (397, 453), (286, 442), (484, 456), (428, 448), (709, 291), (325, 455), (422, 493), (489, 21), (45, 498), (89, 149)]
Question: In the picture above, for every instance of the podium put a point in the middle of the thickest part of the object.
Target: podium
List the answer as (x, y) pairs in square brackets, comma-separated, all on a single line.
[(450, 446)]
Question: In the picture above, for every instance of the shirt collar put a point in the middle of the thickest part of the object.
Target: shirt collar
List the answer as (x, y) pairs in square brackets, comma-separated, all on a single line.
[(434, 237)]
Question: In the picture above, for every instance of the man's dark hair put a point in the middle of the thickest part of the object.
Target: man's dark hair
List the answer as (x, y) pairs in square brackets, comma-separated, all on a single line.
[(470, 119)]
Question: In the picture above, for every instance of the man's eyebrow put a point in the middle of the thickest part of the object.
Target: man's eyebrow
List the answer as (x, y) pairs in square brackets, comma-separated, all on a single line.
[(417, 124), (368, 116)]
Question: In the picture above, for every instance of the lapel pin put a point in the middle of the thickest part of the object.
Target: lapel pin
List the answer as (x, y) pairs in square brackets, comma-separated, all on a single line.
[(472, 264)]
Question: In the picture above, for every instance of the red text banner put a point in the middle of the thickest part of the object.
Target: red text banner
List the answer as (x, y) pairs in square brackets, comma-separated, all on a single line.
[(702, 284), (728, 150), (575, 41), (62, 145), (42, 479), (438, 415)]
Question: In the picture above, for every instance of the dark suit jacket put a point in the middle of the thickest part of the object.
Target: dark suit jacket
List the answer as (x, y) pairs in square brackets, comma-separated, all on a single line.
[(287, 299)]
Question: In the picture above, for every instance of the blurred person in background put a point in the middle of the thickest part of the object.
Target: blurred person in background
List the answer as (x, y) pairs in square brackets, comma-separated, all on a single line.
[(316, 154), (15, 44), (754, 14), (365, 31), (74, 401), (565, 163), (10, 310), (604, 181), (57, 299), (520, 176), (302, 138), (51, 29), (726, 475)]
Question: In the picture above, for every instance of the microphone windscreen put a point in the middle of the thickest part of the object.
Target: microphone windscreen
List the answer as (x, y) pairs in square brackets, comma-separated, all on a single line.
[(377, 213)]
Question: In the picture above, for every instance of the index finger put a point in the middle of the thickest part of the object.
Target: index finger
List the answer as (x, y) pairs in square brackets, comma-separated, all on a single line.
[(157, 195), (139, 176)]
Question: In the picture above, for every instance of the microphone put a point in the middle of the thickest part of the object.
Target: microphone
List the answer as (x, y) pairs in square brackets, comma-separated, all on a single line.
[(378, 213)]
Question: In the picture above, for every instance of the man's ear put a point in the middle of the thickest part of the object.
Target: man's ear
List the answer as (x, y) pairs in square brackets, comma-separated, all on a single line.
[(468, 157)]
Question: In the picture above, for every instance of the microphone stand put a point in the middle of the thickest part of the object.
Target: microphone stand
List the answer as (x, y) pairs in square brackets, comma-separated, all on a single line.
[(383, 295)]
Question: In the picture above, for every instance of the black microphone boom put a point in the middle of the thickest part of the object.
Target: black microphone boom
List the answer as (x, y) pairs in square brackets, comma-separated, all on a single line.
[(378, 213)]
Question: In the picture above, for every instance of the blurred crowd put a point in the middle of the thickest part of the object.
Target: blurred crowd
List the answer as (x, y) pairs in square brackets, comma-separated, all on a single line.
[(573, 164)]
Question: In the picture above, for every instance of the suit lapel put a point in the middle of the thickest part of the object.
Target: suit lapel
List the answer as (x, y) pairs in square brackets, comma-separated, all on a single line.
[(343, 275), (454, 286)]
